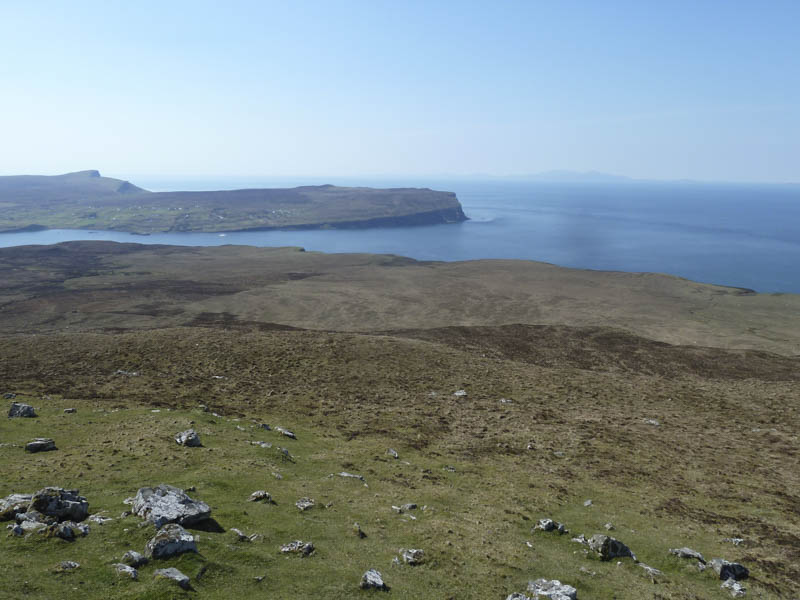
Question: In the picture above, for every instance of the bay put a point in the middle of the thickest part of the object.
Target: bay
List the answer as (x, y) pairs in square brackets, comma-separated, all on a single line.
[(743, 235)]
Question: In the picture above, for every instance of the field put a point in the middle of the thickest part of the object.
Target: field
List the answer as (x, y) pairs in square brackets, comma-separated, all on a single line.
[(676, 444)]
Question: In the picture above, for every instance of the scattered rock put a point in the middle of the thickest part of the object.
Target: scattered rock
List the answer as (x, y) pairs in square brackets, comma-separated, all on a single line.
[(553, 589), (126, 373), (412, 556), (652, 422), (68, 565), (588, 503), (166, 504), (70, 411), (134, 559), (265, 445), (305, 503), (16, 530), (171, 540), (550, 525), (9, 396), (506, 401), (260, 496), (244, 537), (373, 580), (99, 519), (651, 571), (298, 547), (729, 570), (608, 548), (357, 530), (285, 454), (687, 553), (40, 445), (265, 426), (586, 571), (13, 504), (734, 587), (609, 527), (352, 476), (393, 453), (60, 503), (735, 541), (69, 530), (286, 432), (173, 574), (581, 539), (20, 409), (188, 438), (460, 393), (123, 569)]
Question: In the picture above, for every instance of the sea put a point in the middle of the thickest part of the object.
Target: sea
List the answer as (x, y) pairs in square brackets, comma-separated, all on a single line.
[(739, 235)]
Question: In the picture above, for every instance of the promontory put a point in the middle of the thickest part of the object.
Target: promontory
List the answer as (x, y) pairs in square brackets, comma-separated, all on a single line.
[(86, 200)]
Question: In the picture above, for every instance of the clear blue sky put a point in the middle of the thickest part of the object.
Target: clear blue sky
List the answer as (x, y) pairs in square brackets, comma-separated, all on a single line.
[(702, 89)]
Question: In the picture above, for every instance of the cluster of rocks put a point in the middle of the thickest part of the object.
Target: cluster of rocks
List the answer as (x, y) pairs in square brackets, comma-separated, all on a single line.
[(547, 588), (52, 510)]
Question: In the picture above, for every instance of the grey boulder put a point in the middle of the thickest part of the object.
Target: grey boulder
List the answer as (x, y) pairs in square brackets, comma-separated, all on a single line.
[(373, 580), (123, 569), (550, 525), (305, 503), (729, 570), (298, 547), (40, 445), (20, 409), (553, 589), (134, 559), (412, 556), (188, 438), (260, 496), (60, 503), (687, 553), (174, 575), (608, 548), (171, 540), (14, 504), (734, 587), (167, 504)]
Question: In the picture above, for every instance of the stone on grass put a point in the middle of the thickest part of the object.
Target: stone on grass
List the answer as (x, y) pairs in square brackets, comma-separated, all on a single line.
[(166, 504), (69, 530), (20, 409), (134, 559), (412, 556), (553, 589), (298, 547), (357, 530), (651, 571), (16, 530), (305, 503), (123, 569), (550, 525), (687, 553), (60, 503), (347, 475), (393, 453), (40, 445), (14, 504), (171, 540), (70, 411), (188, 438), (608, 548), (734, 540), (373, 580), (174, 575), (286, 432), (260, 496), (736, 589), (588, 503), (729, 570), (68, 565)]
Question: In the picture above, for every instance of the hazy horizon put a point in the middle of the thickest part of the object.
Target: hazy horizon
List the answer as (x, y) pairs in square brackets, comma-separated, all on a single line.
[(707, 92)]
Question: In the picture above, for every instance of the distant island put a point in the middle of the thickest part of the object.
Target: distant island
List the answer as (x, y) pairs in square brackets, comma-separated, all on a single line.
[(86, 200)]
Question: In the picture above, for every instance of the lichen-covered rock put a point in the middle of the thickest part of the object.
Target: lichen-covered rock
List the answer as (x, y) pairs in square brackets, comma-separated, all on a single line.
[(60, 503), (188, 438), (171, 540), (69, 530), (123, 569), (305, 503), (553, 589), (13, 504), (298, 547), (166, 504), (608, 548), (729, 570), (40, 445), (21, 410), (174, 575), (372, 580), (736, 589), (260, 496), (687, 553), (412, 556), (134, 559)]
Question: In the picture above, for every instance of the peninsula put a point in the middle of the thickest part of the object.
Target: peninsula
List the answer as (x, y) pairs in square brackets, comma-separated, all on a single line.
[(86, 200)]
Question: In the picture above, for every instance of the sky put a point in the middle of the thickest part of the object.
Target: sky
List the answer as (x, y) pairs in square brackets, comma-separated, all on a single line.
[(706, 90)]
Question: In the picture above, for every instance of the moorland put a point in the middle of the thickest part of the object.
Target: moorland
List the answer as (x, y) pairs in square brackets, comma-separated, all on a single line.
[(660, 411)]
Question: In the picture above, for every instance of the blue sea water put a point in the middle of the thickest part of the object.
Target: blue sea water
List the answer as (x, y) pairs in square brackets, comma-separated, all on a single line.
[(738, 235)]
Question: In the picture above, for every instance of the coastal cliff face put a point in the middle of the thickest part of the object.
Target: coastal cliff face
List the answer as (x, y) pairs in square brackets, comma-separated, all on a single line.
[(86, 200)]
